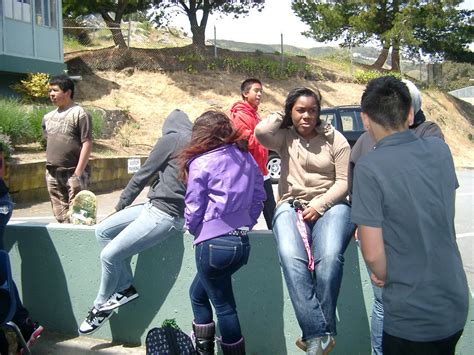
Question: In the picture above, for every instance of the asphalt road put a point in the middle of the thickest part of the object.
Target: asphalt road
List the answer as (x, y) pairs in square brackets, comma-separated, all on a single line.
[(464, 220)]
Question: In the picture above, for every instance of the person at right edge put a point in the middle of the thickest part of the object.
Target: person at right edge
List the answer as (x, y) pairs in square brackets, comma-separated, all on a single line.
[(422, 128), (403, 202), (312, 220)]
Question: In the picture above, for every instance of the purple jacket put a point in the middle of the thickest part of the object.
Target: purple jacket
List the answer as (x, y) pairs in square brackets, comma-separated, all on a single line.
[(224, 192)]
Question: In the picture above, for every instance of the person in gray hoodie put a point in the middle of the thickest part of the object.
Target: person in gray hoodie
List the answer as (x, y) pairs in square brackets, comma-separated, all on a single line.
[(131, 230)]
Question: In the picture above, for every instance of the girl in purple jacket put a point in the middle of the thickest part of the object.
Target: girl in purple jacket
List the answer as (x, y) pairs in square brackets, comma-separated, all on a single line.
[(223, 200)]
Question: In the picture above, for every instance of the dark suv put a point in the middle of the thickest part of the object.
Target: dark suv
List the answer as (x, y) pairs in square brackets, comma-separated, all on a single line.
[(346, 119)]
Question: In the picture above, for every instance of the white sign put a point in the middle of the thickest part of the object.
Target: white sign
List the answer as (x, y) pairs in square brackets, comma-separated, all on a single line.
[(134, 165)]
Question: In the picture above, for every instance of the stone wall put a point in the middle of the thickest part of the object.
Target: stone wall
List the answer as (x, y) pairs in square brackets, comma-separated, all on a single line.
[(27, 183)]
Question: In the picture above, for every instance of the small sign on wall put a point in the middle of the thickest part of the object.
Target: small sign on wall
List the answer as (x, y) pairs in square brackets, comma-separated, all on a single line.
[(133, 165)]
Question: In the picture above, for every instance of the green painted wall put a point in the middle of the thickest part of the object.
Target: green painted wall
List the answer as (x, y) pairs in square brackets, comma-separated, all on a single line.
[(57, 271)]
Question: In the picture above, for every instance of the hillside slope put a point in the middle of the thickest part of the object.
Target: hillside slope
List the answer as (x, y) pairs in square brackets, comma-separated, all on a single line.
[(149, 97)]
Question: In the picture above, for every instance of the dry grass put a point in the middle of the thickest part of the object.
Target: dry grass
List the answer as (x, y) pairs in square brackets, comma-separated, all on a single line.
[(149, 97)]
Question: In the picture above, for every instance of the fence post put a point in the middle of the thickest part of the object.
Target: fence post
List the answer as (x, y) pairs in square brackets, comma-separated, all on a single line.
[(281, 45), (215, 43)]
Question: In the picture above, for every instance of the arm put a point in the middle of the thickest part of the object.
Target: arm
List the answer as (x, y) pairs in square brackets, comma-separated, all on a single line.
[(258, 195), (83, 157), (196, 198), (269, 134), (156, 162), (339, 189), (372, 247), (245, 125)]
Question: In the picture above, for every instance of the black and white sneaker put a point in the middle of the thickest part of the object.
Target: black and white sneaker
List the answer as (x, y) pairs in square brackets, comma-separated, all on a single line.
[(94, 320), (119, 299)]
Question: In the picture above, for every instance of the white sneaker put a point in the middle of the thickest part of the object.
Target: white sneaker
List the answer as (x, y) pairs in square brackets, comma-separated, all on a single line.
[(328, 343), (119, 298), (94, 320)]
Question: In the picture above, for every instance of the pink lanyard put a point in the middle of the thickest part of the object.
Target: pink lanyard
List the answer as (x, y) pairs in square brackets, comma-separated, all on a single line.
[(304, 235)]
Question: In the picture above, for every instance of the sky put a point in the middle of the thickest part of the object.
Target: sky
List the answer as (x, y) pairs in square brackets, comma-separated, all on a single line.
[(264, 27)]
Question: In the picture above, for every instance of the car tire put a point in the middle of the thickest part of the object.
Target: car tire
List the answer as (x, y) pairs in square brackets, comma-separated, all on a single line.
[(274, 167)]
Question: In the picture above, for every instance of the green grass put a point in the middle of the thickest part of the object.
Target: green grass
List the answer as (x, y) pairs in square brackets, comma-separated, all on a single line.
[(14, 121), (22, 123)]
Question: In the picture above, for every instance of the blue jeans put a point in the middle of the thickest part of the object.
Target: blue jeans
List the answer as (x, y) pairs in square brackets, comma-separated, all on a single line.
[(313, 294), (216, 260), (376, 321), (124, 234), (6, 210)]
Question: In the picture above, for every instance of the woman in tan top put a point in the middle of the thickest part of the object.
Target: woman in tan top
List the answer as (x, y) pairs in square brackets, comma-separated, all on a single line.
[(312, 221)]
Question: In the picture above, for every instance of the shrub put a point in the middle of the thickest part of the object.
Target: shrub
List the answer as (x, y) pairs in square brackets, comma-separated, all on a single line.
[(363, 77), (34, 87), (14, 121), (6, 145)]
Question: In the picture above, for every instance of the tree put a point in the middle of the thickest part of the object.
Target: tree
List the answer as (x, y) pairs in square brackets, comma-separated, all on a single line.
[(191, 8), (435, 27), (112, 11)]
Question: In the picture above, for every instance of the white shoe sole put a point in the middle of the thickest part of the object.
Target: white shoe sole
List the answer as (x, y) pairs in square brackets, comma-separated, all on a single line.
[(92, 331), (117, 304)]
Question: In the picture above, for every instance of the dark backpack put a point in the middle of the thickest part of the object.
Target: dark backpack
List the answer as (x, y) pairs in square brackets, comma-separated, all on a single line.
[(168, 340)]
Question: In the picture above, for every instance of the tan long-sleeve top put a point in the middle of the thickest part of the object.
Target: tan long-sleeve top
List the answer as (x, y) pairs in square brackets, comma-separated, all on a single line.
[(314, 171)]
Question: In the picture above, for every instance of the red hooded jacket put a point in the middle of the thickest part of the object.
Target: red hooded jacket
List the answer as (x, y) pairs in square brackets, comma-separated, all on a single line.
[(244, 118)]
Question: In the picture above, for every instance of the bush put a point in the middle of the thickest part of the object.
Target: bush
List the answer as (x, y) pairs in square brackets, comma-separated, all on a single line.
[(363, 77), (6, 145), (14, 121), (22, 124), (34, 87)]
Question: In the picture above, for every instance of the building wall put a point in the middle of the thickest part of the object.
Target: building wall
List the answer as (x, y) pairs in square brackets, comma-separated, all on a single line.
[(27, 47)]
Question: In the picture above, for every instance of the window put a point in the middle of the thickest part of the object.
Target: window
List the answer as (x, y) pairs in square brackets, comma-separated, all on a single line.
[(45, 13), (18, 9), (328, 118), (351, 121)]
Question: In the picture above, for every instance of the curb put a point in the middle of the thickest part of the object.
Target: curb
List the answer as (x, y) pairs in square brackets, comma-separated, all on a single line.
[(53, 343)]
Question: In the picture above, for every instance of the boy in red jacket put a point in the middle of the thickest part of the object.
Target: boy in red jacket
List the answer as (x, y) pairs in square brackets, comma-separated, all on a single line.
[(244, 117)]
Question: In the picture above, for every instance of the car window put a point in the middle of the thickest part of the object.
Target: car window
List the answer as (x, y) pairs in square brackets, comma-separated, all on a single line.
[(328, 118), (351, 121)]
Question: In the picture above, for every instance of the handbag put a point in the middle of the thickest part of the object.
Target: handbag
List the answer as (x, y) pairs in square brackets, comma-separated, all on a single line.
[(168, 340)]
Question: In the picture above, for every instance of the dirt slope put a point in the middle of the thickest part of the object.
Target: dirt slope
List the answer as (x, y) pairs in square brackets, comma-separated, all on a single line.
[(149, 97)]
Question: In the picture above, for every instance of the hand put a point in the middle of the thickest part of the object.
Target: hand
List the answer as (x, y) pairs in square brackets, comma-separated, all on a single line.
[(310, 214), (356, 234), (377, 282), (75, 184)]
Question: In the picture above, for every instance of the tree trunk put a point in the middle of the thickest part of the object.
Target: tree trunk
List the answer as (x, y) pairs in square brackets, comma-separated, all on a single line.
[(114, 25), (199, 36), (117, 34), (378, 64), (395, 57)]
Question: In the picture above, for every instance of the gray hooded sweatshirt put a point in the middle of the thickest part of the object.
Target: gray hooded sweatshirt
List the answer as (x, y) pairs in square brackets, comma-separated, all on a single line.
[(166, 192)]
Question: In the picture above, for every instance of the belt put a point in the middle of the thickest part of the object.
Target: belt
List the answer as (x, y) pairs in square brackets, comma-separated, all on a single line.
[(238, 232)]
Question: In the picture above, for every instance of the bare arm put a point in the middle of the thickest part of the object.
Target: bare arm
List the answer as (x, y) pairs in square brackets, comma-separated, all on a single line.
[(83, 158), (372, 247)]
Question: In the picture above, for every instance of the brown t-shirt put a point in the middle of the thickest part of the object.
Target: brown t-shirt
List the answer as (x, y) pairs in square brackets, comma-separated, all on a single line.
[(65, 132)]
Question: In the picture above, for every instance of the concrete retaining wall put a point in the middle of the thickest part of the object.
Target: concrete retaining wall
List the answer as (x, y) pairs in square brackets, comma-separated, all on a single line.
[(57, 270), (27, 182)]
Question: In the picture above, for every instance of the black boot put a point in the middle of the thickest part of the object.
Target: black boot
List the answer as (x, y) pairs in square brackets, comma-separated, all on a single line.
[(204, 334), (237, 348)]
